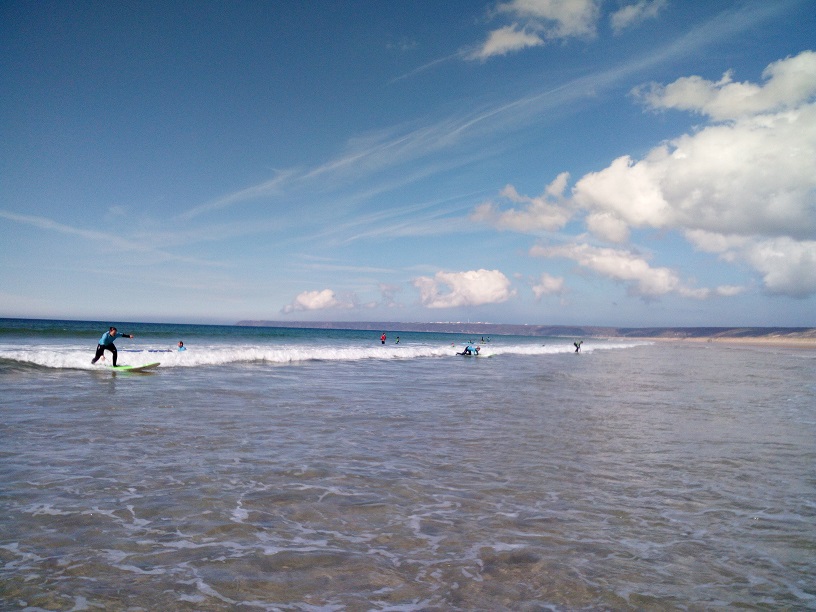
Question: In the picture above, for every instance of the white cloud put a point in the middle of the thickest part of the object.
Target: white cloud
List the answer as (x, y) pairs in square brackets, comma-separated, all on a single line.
[(619, 265), (729, 290), (314, 300), (789, 82), (506, 40), (548, 285), (627, 192), (743, 186), (634, 14), (711, 242), (559, 18), (752, 176), (788, 267), (471, 288), (627, 267), (608, 227), (545, 212), (542, 20)]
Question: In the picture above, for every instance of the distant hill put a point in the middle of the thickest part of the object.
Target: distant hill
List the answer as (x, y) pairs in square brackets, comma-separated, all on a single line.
[(551, 330)]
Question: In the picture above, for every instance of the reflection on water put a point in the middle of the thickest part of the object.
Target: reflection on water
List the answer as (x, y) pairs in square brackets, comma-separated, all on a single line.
[(655, 477)]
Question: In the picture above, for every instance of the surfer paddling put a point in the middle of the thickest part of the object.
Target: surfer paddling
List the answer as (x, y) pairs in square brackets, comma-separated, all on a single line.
[(106, 344)]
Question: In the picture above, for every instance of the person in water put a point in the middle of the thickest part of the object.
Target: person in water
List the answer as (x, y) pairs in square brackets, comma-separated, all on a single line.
[(578, 346), (181, 346), (469, 350), (382, 338), (106, 344)]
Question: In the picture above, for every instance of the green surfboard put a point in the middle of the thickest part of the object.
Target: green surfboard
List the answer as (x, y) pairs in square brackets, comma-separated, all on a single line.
[(130, 368)]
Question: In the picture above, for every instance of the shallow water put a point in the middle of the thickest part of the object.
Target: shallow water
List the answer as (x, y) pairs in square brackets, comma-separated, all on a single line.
[(663, 476)]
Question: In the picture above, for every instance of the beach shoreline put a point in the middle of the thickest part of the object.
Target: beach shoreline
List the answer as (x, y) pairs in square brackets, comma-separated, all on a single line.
[(769, 341)]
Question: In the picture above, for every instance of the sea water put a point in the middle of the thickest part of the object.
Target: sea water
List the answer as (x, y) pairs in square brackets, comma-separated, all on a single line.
[(280, 469)]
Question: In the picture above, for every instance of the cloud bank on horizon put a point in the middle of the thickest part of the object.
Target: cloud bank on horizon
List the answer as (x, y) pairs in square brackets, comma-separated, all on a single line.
[(553, 160)]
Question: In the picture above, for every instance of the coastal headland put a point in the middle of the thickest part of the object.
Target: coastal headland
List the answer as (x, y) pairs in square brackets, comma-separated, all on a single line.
[(779, 336)]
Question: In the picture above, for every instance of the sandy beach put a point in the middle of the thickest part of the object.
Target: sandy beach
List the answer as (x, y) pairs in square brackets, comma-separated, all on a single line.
[(799, 342)]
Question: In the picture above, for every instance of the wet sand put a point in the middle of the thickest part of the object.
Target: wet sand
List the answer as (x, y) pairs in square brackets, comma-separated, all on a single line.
[(776, 341)]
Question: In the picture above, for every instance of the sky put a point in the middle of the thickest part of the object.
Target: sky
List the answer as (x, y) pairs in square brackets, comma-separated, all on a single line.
[(542, 162)]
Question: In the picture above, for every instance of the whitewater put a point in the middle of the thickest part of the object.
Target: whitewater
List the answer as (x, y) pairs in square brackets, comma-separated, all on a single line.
[(55, 345)]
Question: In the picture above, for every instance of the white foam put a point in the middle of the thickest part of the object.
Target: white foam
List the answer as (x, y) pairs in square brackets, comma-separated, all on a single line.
[(74, 357)]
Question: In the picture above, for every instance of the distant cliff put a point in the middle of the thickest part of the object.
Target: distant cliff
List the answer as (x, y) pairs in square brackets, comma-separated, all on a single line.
[(551, 330)]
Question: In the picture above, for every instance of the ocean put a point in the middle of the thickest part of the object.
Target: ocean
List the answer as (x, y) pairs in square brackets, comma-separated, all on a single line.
[(297, 469)]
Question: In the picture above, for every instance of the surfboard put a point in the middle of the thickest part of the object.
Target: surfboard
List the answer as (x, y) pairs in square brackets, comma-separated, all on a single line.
[(129, 368)]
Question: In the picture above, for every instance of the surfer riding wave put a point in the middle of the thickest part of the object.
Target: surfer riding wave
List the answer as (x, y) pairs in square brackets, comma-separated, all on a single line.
[(106, 344)]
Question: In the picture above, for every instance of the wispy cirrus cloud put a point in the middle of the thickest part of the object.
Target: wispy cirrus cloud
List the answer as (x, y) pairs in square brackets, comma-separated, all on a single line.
[(632, 15), (116, 241), (395, 157)]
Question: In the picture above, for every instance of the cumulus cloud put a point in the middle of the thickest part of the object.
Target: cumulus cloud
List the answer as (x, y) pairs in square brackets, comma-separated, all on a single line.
[(631, 269), (471, 288), (314, 300), (743, 186), (788, 83), (607, 226), (711, 242), (545, 212), (635, 14), (548, 285), (752, 176), (788, 267), (624, 266)]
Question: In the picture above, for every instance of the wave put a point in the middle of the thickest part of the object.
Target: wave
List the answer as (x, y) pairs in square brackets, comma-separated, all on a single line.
[(76, 358)]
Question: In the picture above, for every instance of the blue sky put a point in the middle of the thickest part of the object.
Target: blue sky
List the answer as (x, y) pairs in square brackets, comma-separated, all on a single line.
[(618, 162)]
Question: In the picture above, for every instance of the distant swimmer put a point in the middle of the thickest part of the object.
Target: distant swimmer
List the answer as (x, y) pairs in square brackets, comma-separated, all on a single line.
[(578, 346), (181, 346), (106, 344), (397, 342), (382, 338)]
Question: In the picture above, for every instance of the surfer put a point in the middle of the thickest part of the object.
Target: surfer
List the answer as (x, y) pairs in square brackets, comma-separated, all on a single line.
[(382, 338), (181, 346), (106, 344), (578, 346), (469, 350)]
